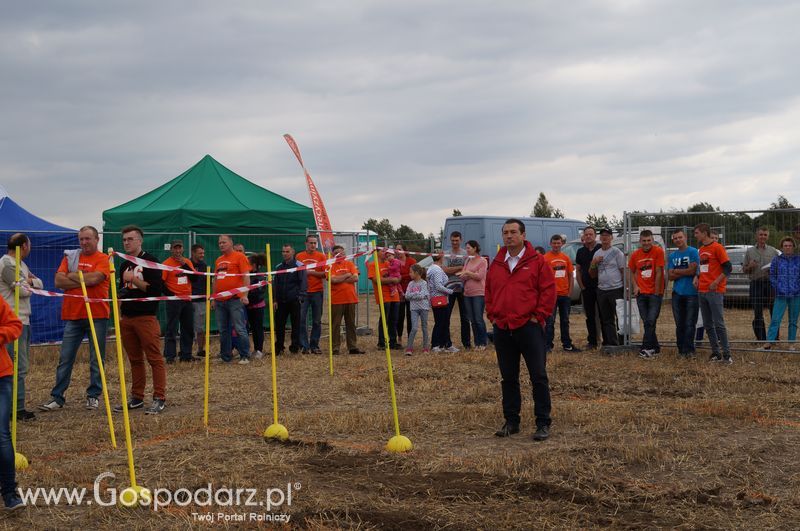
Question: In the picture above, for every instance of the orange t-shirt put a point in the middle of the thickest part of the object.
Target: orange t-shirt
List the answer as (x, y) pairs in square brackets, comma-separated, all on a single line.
[(314, 283), (177, 282), (10, 329), (73, 309), (388, 296), (343, 292), (712, 256), (644, 264), (226, 268), (562, 270)]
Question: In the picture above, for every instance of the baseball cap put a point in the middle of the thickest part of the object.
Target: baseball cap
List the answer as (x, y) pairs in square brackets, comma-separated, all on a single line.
[(606, 230), (176, 243)]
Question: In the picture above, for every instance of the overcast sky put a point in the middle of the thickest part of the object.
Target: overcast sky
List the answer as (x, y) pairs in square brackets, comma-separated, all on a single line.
[(405, 110)]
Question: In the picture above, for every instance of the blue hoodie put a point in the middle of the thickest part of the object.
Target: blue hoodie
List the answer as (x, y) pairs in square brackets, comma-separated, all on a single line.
[(784, 275)]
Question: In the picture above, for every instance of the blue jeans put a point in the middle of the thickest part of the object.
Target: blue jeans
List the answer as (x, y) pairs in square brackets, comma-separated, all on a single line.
[(313, 300), (563, 304), (714, 322), (474, 308), (24, 363), (649, 308), (74, 332), (777, 316), (684, 310), (418, 319), (8, 480), (231, 315)]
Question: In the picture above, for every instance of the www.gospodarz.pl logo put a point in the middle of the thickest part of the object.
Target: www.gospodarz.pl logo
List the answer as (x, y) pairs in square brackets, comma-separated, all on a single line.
[(270, 500)]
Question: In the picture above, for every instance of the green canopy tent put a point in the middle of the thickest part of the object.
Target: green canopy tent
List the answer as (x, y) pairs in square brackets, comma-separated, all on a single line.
[(206, 200)]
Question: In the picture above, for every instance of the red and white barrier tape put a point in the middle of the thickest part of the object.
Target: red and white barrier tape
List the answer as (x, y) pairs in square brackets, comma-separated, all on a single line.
[(220, 295)]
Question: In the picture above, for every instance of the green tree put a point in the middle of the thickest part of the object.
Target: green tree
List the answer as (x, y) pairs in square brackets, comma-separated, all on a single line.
[(601, 221), (543, 208)]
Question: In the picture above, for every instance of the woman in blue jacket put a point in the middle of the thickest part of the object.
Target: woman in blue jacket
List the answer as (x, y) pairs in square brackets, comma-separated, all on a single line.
[(784, 276)]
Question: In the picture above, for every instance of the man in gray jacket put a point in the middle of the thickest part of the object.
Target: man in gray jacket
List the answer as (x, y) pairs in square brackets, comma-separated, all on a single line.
[(8, 270)]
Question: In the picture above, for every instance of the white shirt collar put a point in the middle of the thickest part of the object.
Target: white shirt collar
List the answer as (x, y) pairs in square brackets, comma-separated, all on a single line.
[(514, 260)]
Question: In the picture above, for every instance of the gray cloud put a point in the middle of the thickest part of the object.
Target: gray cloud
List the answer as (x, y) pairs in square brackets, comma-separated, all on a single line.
[(405, 110)]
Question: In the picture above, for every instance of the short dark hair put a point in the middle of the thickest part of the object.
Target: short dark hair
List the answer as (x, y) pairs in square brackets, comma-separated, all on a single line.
[(475, 245), (437, 255), (17, 240), (539, 249), (788, 239), (289, 245), (455, 234), (676, 231), (556, 237), (309, 236), (89, 227), (132, 228), (588, 227), (197, 246), (646, 233), (337, 246), (418, 269), (518, 222), (403, 247), (762, 228), (705, 228)]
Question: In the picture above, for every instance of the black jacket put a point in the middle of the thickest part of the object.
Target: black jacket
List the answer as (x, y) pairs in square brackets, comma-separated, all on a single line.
[(288, 287)]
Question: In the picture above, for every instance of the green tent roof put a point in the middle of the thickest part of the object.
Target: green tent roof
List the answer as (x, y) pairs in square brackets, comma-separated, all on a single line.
[(208, 197)]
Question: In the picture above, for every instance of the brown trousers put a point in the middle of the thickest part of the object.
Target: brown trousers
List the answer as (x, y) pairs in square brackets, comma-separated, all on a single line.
[(141, 339), (349, 313)]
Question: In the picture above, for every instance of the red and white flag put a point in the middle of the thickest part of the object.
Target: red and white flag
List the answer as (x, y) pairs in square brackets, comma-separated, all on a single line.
[(320, 214)]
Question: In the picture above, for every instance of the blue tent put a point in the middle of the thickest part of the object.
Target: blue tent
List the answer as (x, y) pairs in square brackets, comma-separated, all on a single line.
[(48, 242)]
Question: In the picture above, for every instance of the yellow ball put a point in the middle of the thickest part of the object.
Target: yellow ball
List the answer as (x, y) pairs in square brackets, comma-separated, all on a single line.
[(399, 444), (276, 431), (133, 496), (20, 461)]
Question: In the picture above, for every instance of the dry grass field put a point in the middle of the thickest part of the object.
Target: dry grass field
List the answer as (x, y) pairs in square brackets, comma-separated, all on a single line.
[(635, 443)]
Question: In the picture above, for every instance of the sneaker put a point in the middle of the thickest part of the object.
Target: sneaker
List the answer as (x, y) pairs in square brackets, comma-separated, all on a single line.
[(571, 348), (426, 351), (158, 406), (92, 402), (52, 405), (542, 433), (258, 354), (244, 361), (356, 351), (13, 502), (645, 354), (727, 359), (436, 349), (316, 351), (766, 346), (409, 352), (452, 348), (24, 414), (715, 358), (304, 351), (133, 403)]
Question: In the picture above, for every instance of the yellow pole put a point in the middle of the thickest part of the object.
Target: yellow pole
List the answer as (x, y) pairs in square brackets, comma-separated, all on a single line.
[(398, 443), (129, 496), (274, 430), (330, 314), (208, 347), (20, 461), (99, 360)]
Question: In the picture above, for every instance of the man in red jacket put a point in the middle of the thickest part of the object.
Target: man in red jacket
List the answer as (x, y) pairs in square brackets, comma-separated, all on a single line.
[(520, 296)]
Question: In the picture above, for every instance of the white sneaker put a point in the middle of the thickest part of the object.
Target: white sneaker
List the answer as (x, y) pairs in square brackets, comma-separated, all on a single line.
[(452, 348), (92, 402), (244, 361), (51, 405), (436, 349), (258, 354)]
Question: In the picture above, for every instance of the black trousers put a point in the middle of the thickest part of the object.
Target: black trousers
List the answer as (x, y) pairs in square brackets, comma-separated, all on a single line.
[(589, 298), (527, 342), (453, 299), (761, 297), (390, 309), (403, 316), (607, 304), (179, 313), (292, 311), (255, 318)]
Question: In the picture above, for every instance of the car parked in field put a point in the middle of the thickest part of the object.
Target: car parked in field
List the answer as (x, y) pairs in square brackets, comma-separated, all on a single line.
[(738, 286)]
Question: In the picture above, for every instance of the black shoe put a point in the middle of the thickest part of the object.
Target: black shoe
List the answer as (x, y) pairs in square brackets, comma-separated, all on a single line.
[(201, 355), (381, 345), (507, 429), (170, 361), (542, 433), (24, 414), (572, 348), (188, 360), (279, 352), (591, 346), (715, 358), (303, 351), (133, 403), (356, 351), (396, 346), (316, 351)]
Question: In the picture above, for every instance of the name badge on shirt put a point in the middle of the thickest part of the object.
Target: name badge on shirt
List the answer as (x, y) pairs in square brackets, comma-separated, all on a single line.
[(704, 268), (221, 274), (561, 273), (647, 273), (183, 280)]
